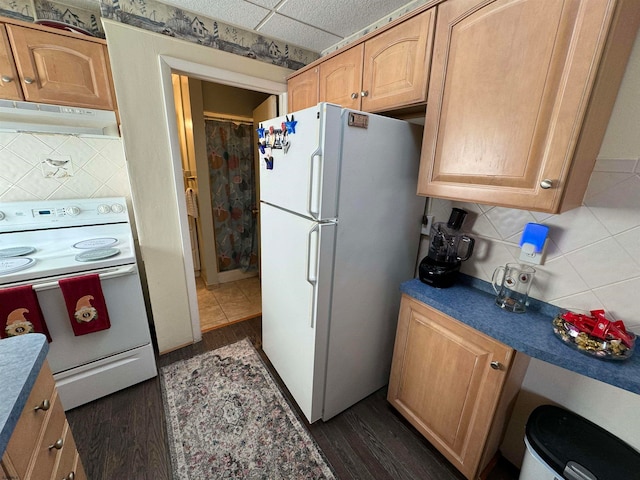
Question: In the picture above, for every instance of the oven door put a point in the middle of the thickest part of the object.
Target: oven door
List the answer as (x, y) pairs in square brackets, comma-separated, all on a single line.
[(127, 314)]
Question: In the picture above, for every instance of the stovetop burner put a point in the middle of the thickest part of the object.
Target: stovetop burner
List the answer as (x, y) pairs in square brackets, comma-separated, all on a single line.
[(15, 264), (97, 254), (96, 243), (16, 251)]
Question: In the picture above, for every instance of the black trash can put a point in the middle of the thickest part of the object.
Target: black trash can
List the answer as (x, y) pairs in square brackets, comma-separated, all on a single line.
[(564, 445)]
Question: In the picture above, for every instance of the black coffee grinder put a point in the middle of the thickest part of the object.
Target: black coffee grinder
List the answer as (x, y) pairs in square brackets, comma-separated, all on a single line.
[(448, 248)]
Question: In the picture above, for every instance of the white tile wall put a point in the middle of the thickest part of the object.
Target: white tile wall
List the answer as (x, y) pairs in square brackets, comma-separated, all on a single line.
[(593, 254), (99, 167)]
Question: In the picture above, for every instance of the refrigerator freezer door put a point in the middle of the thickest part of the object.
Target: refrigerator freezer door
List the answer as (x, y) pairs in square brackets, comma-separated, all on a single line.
[(304, 180), (297, 269)]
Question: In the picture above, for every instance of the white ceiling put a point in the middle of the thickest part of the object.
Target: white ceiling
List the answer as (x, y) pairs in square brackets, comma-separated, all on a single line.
[(315, 25)]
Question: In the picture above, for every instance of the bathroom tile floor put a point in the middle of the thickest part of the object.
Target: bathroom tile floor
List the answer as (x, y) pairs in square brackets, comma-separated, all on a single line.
[(228, 302)]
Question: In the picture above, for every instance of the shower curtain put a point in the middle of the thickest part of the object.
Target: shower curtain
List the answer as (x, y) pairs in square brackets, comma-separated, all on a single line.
[(233, 196)]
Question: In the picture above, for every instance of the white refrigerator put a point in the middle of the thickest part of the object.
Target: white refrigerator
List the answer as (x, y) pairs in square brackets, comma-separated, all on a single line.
[(340, 227)]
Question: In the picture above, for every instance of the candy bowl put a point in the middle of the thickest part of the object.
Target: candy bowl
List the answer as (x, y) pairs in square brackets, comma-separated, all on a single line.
[(594, 335)]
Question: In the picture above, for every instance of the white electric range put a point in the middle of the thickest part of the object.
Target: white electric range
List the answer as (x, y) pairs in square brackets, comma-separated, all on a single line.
[(44, 241)]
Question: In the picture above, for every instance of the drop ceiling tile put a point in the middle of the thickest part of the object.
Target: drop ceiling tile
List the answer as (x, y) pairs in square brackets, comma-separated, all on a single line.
[(236, 12), (333, 17), (298, 33)]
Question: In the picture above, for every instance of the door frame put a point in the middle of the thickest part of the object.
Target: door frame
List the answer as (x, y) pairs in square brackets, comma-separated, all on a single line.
[(169, 65)]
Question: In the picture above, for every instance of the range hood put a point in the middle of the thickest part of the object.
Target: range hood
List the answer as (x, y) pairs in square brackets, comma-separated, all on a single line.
[(40, 117)]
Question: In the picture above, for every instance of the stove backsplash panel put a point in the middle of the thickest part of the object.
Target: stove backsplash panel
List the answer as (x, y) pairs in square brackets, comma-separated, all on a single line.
[(38, 166)]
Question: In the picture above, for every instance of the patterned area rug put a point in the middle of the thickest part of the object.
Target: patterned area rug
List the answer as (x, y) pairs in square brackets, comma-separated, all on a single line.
[(227, 419)]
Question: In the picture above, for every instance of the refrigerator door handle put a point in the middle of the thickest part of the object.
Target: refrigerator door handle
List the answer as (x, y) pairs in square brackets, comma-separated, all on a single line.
[(313, 246), (314, 184)]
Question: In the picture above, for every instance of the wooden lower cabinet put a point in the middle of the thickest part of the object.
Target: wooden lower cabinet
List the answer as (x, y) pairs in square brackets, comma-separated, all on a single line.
[(454, 384), (42, 446)]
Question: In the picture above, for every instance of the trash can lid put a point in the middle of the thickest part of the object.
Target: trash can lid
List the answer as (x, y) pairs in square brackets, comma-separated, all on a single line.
[(578, 448)]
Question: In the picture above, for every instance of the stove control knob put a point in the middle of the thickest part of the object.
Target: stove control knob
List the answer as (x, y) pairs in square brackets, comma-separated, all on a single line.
[(72, 211), (104, 208), (117, 208)]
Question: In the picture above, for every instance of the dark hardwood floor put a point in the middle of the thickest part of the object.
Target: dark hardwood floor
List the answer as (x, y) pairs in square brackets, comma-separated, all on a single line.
[(123, 435)]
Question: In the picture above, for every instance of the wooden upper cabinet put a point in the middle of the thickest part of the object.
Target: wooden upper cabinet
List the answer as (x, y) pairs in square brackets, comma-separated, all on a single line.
[(396, 64), (9, 84), (302, 90), (61, 69), (520, 96), (384, 71), (340, 78)]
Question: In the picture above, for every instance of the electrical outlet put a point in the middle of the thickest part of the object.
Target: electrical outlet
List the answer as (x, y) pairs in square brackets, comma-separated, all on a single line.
[(426, 227), (529, 255)]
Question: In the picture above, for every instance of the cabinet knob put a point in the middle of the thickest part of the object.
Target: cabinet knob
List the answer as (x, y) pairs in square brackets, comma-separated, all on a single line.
[(354, 95), (496, 365), (364, 93), (57, 445), (6, 79), (43, 406), (28, 80), (546, 183), (71, 476)]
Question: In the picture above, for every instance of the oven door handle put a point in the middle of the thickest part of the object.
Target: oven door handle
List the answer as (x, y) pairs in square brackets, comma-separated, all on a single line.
[(119, 272)]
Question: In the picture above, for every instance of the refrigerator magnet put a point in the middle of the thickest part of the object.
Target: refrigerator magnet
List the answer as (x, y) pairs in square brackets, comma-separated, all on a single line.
[(269, 162)]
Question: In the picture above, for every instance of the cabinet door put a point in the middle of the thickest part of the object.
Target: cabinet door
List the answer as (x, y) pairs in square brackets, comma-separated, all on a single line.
[(61, 70), (396, 64), (9, 85), (442, 381), (510, 83), (340, 78), (302, 90)]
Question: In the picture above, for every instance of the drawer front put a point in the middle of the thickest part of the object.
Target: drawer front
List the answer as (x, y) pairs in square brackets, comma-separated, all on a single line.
[(31, 422), (45, 455), (69, 461)]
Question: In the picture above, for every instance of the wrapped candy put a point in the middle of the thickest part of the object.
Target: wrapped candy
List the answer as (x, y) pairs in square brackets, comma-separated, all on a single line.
[(595, 335)]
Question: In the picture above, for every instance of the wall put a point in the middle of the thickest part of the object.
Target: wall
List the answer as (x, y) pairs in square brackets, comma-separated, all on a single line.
[(154, 161), (223, 99), (98, 167), (593, 261)]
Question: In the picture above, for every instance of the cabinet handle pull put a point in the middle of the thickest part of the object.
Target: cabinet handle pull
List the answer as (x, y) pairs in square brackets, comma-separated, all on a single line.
[(7, 79), (43, 406), (57, 445), (354, 95), (546, 183), (496, 365), (71, 476), (28, 80), (364, 93)]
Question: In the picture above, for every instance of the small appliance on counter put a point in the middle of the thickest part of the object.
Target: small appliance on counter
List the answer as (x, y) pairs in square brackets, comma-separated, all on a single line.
[(448, 248)]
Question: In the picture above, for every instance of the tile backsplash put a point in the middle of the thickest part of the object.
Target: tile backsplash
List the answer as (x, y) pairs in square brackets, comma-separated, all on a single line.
[(94, 166), (593, 252)]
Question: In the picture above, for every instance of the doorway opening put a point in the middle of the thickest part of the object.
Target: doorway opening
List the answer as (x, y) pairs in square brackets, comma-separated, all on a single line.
[(216, 125)]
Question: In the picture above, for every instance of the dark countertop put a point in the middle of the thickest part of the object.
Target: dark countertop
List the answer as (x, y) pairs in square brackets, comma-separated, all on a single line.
[(471, 301), (21, 359)]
